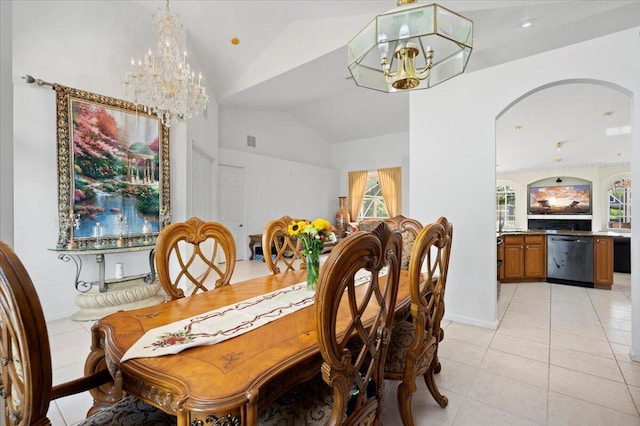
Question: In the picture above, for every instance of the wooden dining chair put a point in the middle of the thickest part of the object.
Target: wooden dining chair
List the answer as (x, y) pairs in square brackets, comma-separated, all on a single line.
[(194, 256), (25, 362), (350, 389), (414, 342), (282, 252)]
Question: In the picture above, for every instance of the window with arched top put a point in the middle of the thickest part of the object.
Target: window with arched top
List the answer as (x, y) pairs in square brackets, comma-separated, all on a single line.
[(505, 207), (620, 204)]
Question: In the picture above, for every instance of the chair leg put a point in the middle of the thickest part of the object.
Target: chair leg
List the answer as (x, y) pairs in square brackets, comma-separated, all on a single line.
[(429, 379), (437, 366), (404, 403)]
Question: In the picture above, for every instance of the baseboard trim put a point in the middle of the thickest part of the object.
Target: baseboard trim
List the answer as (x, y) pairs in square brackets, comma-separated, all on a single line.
[(471, 321)]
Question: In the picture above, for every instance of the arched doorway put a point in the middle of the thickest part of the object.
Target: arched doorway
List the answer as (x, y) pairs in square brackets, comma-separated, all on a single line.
[(572, 128), (577, 128)]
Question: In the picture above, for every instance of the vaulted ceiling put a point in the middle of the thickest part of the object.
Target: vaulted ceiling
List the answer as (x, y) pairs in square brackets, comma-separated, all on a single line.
[(292, 58)]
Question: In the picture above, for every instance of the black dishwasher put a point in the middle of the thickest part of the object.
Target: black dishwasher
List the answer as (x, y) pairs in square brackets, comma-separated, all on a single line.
[(570, 260)]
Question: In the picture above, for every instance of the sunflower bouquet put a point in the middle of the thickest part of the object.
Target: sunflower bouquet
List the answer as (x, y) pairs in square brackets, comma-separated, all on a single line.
[(313, 236)]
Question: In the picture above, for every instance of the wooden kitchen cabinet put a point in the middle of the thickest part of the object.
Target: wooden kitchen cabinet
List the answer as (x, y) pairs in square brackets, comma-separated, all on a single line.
[(513, 257), (603, 262), (535, 257), (524, 258)]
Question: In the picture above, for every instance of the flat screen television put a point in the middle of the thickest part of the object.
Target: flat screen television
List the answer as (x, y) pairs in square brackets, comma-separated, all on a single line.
[(560, 199)]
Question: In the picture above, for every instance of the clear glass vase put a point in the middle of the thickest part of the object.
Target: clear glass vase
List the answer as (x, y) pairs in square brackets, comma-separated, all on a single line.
[(313, 270)]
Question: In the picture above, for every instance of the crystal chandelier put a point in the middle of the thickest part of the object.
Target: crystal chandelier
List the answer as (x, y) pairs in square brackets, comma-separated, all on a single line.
[(163, 82), (410, 47)]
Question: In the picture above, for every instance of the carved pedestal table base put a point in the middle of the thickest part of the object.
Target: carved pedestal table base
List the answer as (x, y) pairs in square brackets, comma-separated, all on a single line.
[(122, 296)]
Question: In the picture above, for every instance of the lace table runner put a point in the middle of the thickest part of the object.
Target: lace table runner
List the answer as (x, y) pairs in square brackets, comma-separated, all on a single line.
[(226, 322)]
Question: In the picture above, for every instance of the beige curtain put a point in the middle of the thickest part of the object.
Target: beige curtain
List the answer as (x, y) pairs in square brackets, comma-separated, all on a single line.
[(391, 187), (357, 186)]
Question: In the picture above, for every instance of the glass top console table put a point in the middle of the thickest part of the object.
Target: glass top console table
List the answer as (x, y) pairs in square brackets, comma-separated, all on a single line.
[(66, 254)]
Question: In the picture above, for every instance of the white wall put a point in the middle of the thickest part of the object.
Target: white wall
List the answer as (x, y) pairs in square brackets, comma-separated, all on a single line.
[(277, 135), (452, 147), (600, 178), (60, 42), (6, 126), (391, 150), (277, 187), (202, 134)]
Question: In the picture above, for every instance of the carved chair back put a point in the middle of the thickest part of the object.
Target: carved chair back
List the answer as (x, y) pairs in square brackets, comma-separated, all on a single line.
[(25, 367), (413, 349), (26, 360), (350, 389), (448, 228), (282, 252), (194, 256), (354, 361), (409, 228)]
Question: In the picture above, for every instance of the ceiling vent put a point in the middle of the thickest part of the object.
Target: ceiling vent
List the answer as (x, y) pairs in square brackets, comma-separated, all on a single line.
[(251, 141)]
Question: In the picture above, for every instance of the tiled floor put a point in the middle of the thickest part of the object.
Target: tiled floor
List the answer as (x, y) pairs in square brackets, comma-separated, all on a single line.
[(559, 357)]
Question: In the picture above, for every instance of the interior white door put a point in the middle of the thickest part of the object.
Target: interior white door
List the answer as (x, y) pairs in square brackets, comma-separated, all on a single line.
[(232, 206), (202, 185), (202, 180)]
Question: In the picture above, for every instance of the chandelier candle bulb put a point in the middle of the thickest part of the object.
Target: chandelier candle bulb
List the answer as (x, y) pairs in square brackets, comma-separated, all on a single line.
[(404, 32)]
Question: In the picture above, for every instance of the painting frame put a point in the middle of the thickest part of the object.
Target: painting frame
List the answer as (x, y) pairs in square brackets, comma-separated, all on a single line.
[(92, 127)]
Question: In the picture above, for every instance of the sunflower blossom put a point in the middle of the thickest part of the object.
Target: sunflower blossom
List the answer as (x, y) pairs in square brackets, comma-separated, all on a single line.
[(312, 234)]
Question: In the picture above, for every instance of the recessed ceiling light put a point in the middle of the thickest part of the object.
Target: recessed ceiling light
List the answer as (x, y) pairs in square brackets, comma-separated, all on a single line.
[(557, 160), (558, 146), (235, 41), (518, 127), (607, 114), (527, 24)]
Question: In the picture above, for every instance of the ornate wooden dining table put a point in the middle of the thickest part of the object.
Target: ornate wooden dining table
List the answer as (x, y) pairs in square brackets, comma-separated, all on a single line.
[(221, 384)]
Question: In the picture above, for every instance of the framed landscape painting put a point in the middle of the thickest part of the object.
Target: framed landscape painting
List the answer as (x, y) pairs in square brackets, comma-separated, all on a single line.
[(113, 172)]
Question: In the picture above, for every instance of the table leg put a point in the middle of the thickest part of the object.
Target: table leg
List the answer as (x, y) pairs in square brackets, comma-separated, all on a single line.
[(81, 286), (251, 244), (102, 286), (151, 276), (109, 393)]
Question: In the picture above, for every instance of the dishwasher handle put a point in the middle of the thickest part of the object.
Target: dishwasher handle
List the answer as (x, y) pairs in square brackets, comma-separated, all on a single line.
[(570, 240)]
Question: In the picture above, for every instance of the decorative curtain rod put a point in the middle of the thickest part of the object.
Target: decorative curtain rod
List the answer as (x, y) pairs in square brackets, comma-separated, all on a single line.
[(29, 79)]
